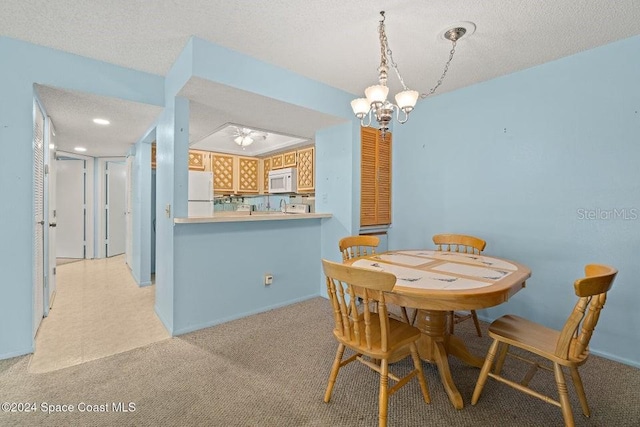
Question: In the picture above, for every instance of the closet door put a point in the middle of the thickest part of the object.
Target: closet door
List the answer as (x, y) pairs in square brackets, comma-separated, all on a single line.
[(116, 208), (38, 207), (70, 197)]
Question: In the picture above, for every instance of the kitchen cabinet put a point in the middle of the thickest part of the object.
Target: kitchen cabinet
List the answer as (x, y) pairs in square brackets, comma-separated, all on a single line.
[(277, 161), (375, 177), (289, 159), (224, 173), (266, 167), (196, 160), (306, 172), (248, 176)]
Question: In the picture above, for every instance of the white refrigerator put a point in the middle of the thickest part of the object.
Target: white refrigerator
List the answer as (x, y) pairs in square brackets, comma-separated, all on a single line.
[(200, 193)]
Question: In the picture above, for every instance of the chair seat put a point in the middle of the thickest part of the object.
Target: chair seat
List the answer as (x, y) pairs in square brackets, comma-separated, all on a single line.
[(530, 336), (400, 336)]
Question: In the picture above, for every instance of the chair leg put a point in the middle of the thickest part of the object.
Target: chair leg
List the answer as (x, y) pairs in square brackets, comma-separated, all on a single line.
[(334, 372), (452, 320), (383, 399), (577, 382), (502, 355), (484, 372), (405, 316), (564, 396), (474, 316), (413, 318), (417, 363)]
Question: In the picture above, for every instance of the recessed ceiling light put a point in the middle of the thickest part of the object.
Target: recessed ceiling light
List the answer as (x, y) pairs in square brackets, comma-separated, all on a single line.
[(101, 121), (80, 149)]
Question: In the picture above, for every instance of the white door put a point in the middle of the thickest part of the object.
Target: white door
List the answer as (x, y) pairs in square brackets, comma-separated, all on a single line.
[(129, 217), (38, 208), (70, 215), (116, 207)]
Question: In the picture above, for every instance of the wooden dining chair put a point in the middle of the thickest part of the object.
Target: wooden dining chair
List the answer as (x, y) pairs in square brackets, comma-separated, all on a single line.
[(370, 334), (568, 347), (463, 244), (359, 246)]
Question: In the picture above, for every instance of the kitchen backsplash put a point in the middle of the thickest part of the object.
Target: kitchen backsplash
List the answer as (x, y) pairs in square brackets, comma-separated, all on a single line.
[(263, 203)]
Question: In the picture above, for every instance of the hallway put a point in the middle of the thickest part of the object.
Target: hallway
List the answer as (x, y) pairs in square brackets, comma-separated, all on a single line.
[(98, 311)]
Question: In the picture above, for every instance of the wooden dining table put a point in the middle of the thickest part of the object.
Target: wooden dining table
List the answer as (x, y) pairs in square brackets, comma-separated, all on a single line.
[(436, 282)]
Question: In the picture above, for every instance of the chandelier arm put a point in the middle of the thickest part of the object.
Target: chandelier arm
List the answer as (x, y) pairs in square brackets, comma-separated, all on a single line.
[(406, 116), (367, 124), (444, 73)]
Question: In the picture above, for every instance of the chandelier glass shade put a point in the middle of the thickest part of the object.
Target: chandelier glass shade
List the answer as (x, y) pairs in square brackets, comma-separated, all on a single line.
[(375, 104)]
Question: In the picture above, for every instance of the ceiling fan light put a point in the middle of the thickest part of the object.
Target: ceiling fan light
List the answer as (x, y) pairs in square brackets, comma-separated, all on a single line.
[(243, 141)]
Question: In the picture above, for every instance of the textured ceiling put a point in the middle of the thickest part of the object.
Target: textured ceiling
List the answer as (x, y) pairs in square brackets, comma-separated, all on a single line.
[(331, 41), (73, 112)]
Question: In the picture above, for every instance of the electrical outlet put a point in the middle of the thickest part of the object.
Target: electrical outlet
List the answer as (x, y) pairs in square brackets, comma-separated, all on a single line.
[(268, 279)]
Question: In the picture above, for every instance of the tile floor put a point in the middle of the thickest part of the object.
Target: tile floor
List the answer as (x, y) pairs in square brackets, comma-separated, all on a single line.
[(98, 311)]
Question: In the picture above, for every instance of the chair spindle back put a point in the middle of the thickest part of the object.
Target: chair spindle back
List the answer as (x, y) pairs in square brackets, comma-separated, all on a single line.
[(345, 284), (358, 246)]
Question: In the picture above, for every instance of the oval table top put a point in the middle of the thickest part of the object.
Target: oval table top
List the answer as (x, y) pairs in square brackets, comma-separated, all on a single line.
[(437, 280)]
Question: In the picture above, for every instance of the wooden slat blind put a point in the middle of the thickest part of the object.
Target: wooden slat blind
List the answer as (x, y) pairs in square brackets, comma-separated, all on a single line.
[(375, 178)]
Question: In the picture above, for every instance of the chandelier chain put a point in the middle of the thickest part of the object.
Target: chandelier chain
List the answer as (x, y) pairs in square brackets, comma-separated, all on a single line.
[(386, 52), (444, 73)]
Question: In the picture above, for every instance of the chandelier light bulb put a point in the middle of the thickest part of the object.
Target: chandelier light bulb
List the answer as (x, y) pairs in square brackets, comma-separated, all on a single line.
[(407, 99), (360, 107), (376, 94)]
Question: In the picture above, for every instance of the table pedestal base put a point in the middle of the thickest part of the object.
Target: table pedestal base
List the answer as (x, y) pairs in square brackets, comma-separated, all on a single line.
[(436, 344)]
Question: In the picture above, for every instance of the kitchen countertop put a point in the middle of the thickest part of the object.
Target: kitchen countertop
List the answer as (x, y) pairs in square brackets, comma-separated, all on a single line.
[(235, 216)]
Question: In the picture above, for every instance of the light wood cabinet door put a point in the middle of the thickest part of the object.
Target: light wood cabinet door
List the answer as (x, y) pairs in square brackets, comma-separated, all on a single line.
[(248, 175), (375, 178), (223, 167), (266, 167), (153, 155), (306, 173), (289, 159), (196, 160), (277, 161)]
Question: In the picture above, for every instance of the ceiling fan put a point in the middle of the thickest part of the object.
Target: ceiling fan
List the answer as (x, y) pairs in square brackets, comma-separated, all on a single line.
[(245, 136)]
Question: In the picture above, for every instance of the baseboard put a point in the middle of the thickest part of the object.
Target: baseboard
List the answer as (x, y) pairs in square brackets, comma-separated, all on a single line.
[(193, 328), (15, 354)]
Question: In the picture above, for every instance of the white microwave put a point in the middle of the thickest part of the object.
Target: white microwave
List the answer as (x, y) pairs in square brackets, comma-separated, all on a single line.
[(283, 181)]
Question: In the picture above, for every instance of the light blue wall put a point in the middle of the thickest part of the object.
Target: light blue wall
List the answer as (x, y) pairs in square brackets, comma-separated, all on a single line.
[(337, 180), (220, 268), (228, 67), (23, 65), (514, 159), (141, 210), (171, 149)]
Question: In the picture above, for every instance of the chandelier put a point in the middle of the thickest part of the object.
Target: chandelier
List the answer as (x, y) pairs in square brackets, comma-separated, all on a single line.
[(376, 103)]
